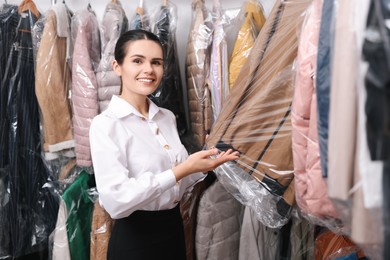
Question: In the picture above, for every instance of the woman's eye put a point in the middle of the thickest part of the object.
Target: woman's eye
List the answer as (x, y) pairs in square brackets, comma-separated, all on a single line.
[(157, 62), (137, 61)]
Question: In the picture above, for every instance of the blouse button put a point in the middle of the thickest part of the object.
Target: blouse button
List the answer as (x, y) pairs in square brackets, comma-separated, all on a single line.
[(166, 147), (143, 119)]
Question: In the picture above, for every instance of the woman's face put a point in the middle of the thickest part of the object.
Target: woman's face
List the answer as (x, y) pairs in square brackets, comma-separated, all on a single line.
[(142, 68)]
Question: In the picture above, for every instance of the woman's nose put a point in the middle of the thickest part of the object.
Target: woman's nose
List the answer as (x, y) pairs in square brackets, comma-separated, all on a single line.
[(148, 66)]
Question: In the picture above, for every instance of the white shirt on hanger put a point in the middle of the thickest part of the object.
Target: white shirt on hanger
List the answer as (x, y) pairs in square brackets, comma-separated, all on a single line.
[(133, 157)]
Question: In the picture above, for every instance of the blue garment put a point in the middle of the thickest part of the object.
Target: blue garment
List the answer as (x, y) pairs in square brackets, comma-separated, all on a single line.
[(323, 81), (351, 256)]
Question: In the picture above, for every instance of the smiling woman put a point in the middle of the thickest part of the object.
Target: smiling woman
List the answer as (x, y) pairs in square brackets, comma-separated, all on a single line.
[(140, 66), (141, 167)]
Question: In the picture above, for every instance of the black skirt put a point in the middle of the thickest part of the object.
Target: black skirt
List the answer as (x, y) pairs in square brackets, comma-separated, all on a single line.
[(148, 235)]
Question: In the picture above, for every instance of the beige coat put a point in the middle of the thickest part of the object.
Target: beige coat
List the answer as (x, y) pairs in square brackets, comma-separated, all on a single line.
[(255, 118)]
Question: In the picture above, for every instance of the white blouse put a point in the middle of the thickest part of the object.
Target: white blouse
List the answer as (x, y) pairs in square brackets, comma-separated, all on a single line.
[(133, 157)]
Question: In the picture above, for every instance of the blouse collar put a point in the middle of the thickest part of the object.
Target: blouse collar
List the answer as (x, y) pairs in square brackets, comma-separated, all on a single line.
[(121, 108)]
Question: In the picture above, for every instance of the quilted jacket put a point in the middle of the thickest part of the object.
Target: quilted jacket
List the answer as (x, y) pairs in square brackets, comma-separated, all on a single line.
[(86, 57), (114, 23)]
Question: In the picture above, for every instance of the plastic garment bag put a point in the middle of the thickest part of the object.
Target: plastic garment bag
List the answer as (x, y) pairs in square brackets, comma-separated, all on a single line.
[(140, 19), (219, 86), (71, 238), (253, 20), (169, 93), (53, 80), (86, 58), (310, 187), (257, 120), (197, 70), (28, 211), (114, 23)]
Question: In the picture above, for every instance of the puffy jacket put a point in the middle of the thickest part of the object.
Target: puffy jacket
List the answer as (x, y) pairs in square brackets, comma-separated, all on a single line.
[(310, 188), (86, 57), (113, 25), (197, 72)]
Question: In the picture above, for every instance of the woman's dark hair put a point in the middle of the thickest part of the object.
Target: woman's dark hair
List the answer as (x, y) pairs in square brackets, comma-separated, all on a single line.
[(131, 36)]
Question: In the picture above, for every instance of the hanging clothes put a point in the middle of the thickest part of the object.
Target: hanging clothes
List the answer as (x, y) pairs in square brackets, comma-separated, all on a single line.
[(28, 210), (169, 94), (197, 69), (323, 80), (376, 54), (218, 224), (310, 187), (75, 216), (257, 240), (377, 79), (102, 225), (344, 174), (140, 20), (53, 80), (253, 22), (86, 58), (79, 205), (219, 87), (8, 24), (257, 121), (114, 24), (9, 19)]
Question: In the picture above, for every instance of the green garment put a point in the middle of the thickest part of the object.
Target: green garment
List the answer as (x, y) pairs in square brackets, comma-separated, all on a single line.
[(79, 205)]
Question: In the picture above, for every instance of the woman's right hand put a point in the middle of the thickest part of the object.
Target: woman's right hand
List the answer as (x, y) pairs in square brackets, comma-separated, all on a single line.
[(202, 161)]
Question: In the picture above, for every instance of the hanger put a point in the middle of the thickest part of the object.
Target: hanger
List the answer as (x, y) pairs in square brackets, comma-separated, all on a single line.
[(89, 7), (29, 5)]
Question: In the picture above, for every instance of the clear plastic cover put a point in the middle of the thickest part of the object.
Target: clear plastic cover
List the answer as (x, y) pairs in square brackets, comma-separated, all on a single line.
[(251, 19), (77, 195), (197, 71), (331, 246), (86, 59), (219, 87), (345, 145), (255, 120), (140, 19), (310, 186), (27, 210), (53, 80), (169, 93), (114, 23), (102, 225)]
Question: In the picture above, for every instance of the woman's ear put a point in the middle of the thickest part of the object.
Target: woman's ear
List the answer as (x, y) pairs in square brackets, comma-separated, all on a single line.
[(117, 68)]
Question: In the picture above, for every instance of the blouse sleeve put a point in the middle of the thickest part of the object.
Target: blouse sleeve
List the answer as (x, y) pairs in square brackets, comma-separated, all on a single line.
[(119, 193)]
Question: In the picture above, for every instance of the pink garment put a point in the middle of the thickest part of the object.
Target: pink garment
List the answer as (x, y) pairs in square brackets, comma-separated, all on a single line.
[(310, 187), (86, 57)]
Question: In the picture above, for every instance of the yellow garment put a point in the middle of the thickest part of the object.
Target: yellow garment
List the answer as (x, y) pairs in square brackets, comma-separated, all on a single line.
[(254, 21)]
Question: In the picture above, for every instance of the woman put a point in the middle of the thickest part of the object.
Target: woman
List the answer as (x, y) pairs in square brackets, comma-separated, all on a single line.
[(141, 167)]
